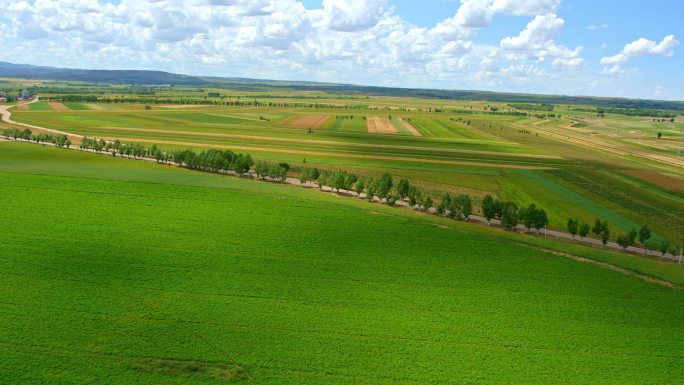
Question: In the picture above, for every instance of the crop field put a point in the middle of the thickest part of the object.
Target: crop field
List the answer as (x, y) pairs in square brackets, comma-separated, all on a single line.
[(466, 152), (200, 278), (444, 146), (40, 106)]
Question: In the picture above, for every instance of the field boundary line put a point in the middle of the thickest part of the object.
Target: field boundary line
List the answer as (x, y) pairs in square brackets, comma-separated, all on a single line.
[(609, 266)]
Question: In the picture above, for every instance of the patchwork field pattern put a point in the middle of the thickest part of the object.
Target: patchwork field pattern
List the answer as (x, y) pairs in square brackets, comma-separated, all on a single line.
[(442, 150)]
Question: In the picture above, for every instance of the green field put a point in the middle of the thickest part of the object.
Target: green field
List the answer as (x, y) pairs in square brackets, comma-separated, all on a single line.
[(39, 106), (139, 273), (522, 159), (76, 106)]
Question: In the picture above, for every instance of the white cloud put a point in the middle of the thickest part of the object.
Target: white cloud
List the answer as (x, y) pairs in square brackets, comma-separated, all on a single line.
[(536, 41), (353, 15), (355, 41), (525, 7), (641, 47)]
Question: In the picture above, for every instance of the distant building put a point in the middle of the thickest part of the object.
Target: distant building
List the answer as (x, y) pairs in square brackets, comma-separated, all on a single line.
[(25, 95), (3, 97)]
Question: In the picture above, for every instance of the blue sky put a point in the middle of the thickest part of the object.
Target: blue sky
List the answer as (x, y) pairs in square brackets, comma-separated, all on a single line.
[(576, 47)]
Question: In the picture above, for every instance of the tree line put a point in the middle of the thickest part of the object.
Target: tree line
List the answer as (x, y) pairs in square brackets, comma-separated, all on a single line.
[(384, 188), (600, 230), (26, 134)]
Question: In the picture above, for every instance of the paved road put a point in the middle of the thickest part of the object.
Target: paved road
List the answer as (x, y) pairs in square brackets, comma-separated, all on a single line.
[(6, 117)]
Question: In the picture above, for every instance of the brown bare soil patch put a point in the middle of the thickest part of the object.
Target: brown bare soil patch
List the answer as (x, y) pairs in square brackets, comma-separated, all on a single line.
[(655, 177), (57, 106), (378, 125), (22, 106), (410, 127), (308, 121)]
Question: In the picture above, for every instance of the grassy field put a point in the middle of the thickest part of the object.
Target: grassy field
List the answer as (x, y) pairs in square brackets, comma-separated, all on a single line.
[(549, 162), (138, 273)]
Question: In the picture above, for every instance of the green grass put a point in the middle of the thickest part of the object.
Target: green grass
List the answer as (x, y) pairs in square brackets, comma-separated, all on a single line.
[(138, 273), (442, 128), (77, 106), (39, 106), (357, 124), (453, 156)]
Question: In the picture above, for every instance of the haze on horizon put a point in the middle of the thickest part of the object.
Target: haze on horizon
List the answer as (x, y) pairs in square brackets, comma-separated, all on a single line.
[(573, 47)]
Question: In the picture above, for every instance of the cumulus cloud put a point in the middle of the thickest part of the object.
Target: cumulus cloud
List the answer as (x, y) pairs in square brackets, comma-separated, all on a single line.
[(536, 41), (525, 7), (353, 15), (359, 41), (642, 47)]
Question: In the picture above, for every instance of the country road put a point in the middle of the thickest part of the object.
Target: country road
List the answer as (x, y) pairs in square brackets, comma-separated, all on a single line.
[(6, 117)]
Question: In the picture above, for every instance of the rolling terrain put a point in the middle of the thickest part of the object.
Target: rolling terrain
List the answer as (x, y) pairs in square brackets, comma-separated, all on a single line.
[(135, 272), (560, 163)]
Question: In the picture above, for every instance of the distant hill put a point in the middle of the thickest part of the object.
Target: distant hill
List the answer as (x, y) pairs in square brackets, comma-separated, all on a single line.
[(97, 76), (144, 77)]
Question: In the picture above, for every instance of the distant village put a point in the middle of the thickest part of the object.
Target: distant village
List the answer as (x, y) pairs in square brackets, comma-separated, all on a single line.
[(24, 96)]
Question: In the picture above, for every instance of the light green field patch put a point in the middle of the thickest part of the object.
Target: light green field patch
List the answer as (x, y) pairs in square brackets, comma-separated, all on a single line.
[(442, 128), (346, 124), (39, 106), (77, 106), (571, 204)]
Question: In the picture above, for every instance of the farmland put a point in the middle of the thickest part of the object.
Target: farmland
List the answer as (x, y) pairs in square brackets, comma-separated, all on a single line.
[(144, 273), (527, 156)]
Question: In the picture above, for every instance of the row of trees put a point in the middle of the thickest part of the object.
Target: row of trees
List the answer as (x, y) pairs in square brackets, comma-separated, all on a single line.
[(275, 171), (510, 215), (213, 160), (458, 206), (600, 229), (26, 134)]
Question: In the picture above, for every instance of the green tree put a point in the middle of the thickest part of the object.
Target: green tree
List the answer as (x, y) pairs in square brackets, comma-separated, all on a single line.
[(384, 185), (584, 230), (428, 203), (488, 208), (664, 247), (605, 234), (644, 236), (403, 188), (597, 229), (370, 188), (509, 215), (527, 216), (627, 240), (540, 219), (572, 227), (360, 185)]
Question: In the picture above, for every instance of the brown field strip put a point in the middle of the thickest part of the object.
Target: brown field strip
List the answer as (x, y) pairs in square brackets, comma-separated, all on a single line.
[(410, 127), (659, 179), (57, 106), (22, 106), (378, 125), (308, 121)]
